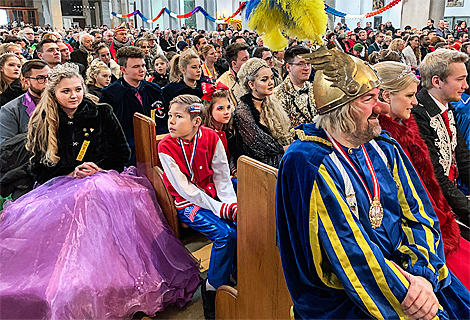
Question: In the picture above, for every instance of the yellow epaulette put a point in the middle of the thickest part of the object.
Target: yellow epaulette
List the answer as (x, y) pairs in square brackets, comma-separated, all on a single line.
[(303, 137)]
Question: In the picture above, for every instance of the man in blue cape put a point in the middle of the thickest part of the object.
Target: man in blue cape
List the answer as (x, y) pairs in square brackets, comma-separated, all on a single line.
[(357, 233)]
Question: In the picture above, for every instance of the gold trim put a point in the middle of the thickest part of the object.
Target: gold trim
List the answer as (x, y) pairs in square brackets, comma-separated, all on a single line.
[(303, 137)]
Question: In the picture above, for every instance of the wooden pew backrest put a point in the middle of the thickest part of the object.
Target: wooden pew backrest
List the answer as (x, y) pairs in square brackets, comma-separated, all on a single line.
[(149, 163), (262, 291)]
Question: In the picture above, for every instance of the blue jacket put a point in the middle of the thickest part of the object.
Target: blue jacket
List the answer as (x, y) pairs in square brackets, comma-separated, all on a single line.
[(121, 96)]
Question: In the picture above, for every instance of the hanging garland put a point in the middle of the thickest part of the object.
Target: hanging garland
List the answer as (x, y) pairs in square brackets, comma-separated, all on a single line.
[(242, 5), (180, 16), (360, 16), (328, 9)]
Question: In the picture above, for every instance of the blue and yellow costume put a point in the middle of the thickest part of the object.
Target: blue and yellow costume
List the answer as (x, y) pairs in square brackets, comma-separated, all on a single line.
[(335, 264)]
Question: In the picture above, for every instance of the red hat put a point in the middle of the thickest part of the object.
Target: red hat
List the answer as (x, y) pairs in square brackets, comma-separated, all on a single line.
[(350, 33)]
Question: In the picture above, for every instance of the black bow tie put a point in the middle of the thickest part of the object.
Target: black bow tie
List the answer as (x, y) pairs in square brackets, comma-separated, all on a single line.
[(304, 90)]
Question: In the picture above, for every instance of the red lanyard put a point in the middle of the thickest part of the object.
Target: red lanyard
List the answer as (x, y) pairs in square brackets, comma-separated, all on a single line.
[(375, 182)]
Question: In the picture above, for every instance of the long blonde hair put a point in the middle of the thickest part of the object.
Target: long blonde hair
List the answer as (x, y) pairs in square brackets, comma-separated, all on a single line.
[(272, 112), (44, 123), (181, 61)]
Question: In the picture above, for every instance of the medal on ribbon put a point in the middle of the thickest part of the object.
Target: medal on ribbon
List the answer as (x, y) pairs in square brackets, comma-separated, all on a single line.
[(375, 211)]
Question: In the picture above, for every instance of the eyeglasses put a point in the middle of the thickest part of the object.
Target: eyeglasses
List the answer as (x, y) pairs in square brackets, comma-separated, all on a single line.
[(300, 64), (39, 79), (269, 59)]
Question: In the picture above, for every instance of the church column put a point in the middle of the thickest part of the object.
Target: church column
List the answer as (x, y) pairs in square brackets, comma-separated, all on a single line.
[(436, 10), (56, 14), (146, 10), (106, 13), (331, 18), (211, 8), (416, 13)]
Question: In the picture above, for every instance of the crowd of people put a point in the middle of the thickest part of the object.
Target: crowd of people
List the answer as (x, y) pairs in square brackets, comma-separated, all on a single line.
[(370, 223)]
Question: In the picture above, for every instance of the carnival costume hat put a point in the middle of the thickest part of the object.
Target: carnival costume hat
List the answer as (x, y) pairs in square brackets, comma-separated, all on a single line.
[(251, 67), (305, 19), (121, 27), (340, 78)]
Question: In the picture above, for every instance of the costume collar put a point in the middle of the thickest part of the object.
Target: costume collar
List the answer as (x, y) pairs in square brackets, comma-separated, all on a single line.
[(441, 106)]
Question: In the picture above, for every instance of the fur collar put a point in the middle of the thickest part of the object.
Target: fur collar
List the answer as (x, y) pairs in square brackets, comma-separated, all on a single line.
[(408, 137)]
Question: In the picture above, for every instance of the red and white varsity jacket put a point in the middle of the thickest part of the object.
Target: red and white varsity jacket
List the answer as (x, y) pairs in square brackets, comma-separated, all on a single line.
[(210, 186)]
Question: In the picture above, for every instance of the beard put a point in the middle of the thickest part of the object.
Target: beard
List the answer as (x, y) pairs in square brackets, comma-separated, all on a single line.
[(35, 91), (365, 131)]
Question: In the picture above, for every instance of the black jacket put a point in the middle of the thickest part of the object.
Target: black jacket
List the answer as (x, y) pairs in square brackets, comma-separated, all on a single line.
[(423, 112), (174, 89), (94, 90), (121, 96), (79, 57), (14, 90), (95, 123), (160, 79), (15, 170)]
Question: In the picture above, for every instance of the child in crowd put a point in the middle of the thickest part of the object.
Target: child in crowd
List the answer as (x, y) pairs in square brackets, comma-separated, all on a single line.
[(160, 75), (196, 173), (217, 114), (185, 77), (98, 77)]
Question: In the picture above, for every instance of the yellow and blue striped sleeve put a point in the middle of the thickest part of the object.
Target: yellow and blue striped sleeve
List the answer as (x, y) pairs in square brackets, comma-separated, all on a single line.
[(371, 281), (421, 247)]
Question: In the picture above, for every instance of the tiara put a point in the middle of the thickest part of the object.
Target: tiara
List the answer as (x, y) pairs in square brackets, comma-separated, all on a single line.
[(195, 108), (64, 69), (8, 53), (405, 71)]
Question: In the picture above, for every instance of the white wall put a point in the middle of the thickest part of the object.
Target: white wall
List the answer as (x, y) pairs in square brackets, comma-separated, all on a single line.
[(365, 6)]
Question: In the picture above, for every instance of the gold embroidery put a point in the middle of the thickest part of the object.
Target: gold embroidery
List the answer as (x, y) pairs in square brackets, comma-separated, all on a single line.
[(303, 137)]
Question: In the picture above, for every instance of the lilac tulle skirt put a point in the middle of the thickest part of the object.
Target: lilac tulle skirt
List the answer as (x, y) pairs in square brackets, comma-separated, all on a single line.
[(92, 248)]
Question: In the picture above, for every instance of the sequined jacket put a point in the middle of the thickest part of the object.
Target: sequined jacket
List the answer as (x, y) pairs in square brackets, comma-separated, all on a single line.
[(252, 138), (299, 107), (442, 151)]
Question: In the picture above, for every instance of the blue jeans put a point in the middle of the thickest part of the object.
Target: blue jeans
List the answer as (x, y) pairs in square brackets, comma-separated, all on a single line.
[(223, 234)]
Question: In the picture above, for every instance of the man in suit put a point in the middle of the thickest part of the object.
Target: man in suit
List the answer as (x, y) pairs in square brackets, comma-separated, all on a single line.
[(377, 45), (14, 116), (443, 76)]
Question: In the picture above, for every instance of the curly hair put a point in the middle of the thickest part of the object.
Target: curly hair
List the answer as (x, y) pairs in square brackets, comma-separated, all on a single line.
[(95, 68), (272, 112), (44, 122)]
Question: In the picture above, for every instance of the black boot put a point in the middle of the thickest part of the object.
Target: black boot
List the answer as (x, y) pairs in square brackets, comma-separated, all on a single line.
[(208, 301)]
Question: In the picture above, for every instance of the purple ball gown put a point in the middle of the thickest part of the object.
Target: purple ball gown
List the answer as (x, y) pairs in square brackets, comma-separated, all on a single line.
[(92, 248)]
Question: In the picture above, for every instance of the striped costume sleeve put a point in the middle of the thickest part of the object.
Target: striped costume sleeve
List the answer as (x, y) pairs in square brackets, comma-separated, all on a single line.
[(421, 248), (370, 280)]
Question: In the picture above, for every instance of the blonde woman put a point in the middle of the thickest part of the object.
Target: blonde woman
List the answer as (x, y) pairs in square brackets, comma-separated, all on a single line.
[(98, 77), (209, 57), (10, 83), (260, 122), (185, 76), (399, 89), (398, 45), (89, 234)]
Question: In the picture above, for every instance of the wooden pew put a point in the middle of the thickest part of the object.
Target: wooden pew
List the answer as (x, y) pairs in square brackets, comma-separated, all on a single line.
[(261, 292), (148, 162)]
